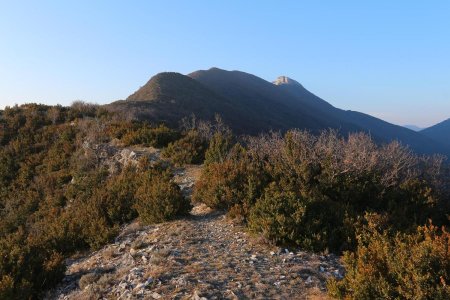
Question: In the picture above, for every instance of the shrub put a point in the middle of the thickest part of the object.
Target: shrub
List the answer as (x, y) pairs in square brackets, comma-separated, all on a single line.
[(236, 182), (6, 287), (286, 218), (158, 137), (188, 150), (118, 198), (218, 148), (95, 228), (55, 198), (330, 181), (327, 226), (402, 266), (221, 185), (159, 199), (26, 269), (79, 109), (277, 215)]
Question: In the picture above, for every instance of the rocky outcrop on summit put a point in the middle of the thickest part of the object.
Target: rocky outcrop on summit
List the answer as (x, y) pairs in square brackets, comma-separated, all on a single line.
[(281, 80)]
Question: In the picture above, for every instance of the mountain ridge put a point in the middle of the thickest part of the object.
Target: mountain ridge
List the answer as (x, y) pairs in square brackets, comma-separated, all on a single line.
[(439, 132), (251, 105)]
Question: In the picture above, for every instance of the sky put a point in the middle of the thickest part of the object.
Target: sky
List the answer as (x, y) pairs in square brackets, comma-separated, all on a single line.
[(390, 59)]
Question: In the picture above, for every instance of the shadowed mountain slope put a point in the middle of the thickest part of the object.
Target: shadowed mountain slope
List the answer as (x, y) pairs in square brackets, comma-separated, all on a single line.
[(270, 102), (250, 105), (439, 132), (240, 85), (168, 97), (413, 127)]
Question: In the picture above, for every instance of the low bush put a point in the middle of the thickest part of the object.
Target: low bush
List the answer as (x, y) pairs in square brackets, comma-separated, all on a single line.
[(287, 218), (277, 215), (118, 196), (312, 191), (397, 266), (236, 182), (219, 146), (27, 269), (158, 137), (190, 149), (58, 198), (158, 199)]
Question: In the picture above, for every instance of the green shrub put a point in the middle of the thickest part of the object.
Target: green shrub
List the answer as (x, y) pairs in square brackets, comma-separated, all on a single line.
[(221, 185), (219, 146), (159, 199), (158, 137), (330, 181), (236, 182), (7, 287), (277, 215), (402, 266), (110, 205), (286, 218), (188, 150), (80, 109), (55, 197), (27, 269), (95, 228), (327, 225), (117, 197)]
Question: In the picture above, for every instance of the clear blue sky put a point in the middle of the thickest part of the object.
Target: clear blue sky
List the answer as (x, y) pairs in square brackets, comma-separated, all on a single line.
[(389, 58)]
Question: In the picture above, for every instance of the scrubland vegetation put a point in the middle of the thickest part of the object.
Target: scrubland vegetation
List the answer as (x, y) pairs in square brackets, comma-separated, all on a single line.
[(384, 207), (381, 206), (56, 198)]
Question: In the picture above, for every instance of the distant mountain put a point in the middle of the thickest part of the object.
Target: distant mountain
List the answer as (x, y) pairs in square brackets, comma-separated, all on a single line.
[(168, 97), (439, 132), (273, 106), (413, 127), (250, 105)]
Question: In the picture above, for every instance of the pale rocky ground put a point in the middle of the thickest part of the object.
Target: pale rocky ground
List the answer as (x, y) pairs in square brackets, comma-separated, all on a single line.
[(203, 256)]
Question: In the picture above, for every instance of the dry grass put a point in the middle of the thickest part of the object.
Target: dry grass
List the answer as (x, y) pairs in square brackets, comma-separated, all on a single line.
[(131, 228), (138, 244), (105, 281), (155, 272), (194, 268), (316, 294), (109, 253), (87, 279), (159, 256)]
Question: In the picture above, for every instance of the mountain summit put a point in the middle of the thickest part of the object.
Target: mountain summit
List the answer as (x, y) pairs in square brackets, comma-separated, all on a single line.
[(281, 80)]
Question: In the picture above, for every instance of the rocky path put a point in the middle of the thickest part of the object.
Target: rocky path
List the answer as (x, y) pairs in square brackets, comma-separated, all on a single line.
[(204, 256)]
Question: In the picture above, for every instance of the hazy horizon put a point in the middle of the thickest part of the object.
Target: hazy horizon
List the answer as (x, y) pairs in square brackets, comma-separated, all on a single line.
[(386, 59)]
